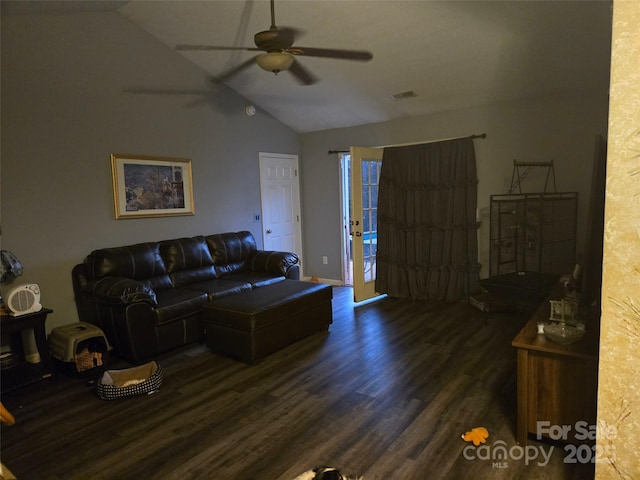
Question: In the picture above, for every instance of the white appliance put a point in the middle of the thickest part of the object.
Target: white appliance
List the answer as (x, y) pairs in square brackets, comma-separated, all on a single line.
[(24, 299)]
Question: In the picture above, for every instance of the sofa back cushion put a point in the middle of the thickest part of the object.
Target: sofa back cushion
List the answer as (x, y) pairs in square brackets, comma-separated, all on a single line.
[(140, 262), (187, 260), (230, 251)]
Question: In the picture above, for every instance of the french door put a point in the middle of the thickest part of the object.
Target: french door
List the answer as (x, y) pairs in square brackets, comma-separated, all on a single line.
[(365, 176)]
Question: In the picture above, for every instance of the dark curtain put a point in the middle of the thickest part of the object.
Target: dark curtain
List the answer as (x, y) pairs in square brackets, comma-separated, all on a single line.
[(427, 242)]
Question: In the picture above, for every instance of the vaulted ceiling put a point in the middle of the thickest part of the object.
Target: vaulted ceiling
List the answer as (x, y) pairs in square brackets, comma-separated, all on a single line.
[(451, 54)]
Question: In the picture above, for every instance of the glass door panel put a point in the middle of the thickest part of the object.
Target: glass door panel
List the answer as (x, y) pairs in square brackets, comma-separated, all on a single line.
[(365, 176)]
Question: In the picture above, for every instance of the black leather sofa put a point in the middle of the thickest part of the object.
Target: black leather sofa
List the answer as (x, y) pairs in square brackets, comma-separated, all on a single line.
[(148, 297)]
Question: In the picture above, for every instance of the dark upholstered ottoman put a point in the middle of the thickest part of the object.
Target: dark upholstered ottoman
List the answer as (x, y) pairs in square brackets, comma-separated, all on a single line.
[(253, 324)]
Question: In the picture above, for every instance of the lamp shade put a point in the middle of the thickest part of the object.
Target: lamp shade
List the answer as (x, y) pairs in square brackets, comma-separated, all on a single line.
[(274, 61)]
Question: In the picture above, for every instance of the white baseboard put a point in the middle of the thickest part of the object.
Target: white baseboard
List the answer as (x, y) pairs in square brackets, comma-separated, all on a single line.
[(330, 281)]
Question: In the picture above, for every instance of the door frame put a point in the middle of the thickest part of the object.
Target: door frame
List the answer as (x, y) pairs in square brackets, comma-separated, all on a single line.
[(345, 206)]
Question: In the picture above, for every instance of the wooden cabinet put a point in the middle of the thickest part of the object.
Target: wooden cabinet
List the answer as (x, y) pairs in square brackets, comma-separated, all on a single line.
[(24, 373), (557, 384)]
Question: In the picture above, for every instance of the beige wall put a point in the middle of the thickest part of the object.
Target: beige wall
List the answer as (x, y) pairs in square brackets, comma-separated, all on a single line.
[(619, 375)]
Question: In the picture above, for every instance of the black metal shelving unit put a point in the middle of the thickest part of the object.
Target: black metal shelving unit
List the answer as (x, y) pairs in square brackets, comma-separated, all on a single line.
[(533, 232)]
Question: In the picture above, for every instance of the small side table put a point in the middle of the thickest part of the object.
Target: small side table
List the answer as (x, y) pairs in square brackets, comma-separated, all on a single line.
[(24, 372)]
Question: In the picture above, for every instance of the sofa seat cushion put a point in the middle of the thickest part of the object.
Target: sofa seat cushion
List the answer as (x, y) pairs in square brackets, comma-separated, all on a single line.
[(217, 288), (256, 279), (196, 275), (177, 303)]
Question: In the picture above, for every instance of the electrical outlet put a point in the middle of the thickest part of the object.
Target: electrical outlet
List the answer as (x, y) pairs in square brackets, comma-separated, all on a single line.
[(256, 217), (325, 260)]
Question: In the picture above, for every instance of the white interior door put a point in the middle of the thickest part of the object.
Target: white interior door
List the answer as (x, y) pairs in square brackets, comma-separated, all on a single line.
[(280, 198), (365, 175)]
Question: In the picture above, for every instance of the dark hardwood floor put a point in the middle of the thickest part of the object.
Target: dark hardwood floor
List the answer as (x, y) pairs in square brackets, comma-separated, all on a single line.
[(385, 394)]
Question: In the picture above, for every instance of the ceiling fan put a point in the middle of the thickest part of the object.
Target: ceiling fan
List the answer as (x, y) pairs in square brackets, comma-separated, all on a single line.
[(279, 53)]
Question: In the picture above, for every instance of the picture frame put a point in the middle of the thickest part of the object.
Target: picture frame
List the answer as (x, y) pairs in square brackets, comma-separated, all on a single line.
[(146, 186), (564, 311)]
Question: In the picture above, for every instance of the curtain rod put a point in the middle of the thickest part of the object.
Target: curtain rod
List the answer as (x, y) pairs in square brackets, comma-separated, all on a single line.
[(480, 135)]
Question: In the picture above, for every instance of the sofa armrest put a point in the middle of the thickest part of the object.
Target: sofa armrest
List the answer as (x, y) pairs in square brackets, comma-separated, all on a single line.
[(293, 273), (275, 263), (119, 291)]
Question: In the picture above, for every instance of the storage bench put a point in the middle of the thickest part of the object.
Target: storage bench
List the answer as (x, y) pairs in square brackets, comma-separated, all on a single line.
[(253, 324)]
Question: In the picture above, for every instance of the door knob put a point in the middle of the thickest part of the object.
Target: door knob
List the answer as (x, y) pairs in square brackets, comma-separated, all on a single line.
[(269, 230)]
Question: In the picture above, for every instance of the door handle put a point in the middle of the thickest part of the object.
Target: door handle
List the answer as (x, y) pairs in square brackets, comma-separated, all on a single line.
[(269, 230)]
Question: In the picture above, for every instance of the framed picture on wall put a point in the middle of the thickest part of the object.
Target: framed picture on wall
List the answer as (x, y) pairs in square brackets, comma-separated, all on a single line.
[(145, 186)]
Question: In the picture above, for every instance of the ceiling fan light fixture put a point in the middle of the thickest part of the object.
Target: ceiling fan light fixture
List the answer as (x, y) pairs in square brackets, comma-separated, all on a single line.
[(274, 61)]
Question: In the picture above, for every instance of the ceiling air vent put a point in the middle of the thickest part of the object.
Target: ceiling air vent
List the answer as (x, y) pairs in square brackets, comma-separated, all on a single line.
[(403, 95)]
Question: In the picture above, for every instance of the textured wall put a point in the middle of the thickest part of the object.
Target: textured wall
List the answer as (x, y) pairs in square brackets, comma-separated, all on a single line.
[(619, 388)]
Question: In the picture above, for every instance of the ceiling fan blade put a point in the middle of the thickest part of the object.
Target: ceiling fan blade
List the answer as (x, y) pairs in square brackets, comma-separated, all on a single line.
[(303, 75), (202, 96), (361, 55), (183, 47), (165, 91), (234, 70)]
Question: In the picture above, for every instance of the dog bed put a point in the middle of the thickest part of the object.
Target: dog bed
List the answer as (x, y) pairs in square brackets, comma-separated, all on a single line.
[(130, 382)]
